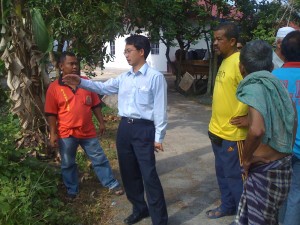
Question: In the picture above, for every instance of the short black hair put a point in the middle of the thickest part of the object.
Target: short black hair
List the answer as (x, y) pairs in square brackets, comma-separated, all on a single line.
[(257, 55), (231, 30), (290, 46), (241, 40), (63, 56), (139, 42)]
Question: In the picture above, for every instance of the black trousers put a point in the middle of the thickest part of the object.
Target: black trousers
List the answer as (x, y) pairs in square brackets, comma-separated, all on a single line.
[(135, 146)]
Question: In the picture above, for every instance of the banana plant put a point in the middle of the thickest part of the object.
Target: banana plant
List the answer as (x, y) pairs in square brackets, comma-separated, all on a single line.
[(25, 43)]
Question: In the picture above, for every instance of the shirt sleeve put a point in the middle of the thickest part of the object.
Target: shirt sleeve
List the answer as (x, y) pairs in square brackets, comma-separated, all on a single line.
[(95, 99), (51, 106), (109, 87), (160, 107)]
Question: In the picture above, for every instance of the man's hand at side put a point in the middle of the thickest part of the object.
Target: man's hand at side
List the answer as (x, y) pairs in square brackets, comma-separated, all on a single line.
[(53, 140), (240, 121), (158, 147), (254, 160), (102, 129)]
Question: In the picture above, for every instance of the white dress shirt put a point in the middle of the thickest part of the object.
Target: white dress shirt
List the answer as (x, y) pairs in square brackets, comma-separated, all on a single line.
[(141, 95)]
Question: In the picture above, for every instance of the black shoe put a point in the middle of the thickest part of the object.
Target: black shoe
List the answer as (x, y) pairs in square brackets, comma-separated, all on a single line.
[(133, 218)]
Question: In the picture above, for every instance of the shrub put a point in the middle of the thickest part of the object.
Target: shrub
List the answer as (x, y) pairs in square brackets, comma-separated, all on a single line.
[(28, 187)]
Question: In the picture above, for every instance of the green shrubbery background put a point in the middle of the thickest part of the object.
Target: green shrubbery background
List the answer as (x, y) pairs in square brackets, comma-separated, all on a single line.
[(28, 187)]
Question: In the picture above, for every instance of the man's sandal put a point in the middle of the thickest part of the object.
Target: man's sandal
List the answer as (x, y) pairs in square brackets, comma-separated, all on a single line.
[(217, 213), (118, 190)]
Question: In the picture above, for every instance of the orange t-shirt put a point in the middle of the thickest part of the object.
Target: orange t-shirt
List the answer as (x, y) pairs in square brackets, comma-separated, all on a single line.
[(73, 110)]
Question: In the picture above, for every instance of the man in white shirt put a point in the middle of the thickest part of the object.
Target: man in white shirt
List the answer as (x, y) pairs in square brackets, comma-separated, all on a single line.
[(142, 104), (278, 58)]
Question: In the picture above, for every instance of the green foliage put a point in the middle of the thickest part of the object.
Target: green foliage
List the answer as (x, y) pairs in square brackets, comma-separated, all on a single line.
[(169, 20), (28, 188), (2, 68), (3, 95), (108, 111), (28, 197), (40, 31), (265, 19), (82, 161), (86, 25), (261, 19), (9, 129), (176, 23), (264, 34)]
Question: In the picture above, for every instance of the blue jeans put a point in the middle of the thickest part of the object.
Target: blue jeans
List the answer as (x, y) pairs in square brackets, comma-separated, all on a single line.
[(229, 176), (91, 146), (292, 212)]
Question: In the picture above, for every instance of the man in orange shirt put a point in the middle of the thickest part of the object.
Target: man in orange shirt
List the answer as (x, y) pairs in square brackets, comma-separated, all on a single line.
[(69, 114)]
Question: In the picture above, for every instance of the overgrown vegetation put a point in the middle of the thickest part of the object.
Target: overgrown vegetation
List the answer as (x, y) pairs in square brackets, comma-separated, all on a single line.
[(28, 187), (31, 191)]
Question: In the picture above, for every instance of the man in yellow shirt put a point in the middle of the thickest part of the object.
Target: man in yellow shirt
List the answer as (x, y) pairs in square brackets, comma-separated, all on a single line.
[(228, 124)]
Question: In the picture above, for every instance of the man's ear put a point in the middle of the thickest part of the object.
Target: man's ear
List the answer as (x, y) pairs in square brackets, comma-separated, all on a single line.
[(233, 42), (142, 52), (278, 43)]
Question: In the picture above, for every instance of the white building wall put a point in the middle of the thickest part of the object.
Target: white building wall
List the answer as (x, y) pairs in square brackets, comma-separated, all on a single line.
[(159, 62)]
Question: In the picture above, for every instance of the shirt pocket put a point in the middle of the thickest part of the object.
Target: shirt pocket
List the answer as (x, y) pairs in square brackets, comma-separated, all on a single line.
[(143, 97)]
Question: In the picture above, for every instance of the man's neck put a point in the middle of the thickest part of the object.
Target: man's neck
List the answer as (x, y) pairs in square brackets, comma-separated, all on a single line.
[(231, 52), (138, 67)]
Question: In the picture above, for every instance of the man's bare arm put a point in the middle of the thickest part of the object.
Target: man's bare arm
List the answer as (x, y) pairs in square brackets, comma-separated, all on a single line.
[(98, 114), (253, 140), (52, 121)]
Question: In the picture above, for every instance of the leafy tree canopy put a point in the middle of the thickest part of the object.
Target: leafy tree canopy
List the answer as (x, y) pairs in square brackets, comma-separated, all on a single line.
[(87, 25), (262, 19)]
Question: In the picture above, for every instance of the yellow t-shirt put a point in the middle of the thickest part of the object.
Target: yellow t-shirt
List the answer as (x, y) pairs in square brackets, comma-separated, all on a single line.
[(225, 104)]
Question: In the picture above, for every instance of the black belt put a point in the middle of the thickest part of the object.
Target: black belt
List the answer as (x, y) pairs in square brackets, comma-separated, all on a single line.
[(133, 120)]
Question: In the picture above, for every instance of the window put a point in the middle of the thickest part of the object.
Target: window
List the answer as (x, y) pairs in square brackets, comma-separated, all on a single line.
[(155, 48), (112, 48)]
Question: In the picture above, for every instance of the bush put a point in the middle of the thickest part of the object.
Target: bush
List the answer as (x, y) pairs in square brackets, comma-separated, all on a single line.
[(28, 187)]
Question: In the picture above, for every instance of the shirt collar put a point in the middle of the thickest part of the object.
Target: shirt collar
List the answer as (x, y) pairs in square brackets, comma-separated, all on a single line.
[(142, 70), (291, 65)]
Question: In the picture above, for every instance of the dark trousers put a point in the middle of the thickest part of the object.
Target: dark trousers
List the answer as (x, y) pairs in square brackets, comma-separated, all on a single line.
[(135, 146), (229, 175)]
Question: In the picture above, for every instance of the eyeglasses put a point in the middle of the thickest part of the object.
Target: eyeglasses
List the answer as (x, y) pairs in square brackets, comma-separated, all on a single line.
[(127, 51)]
